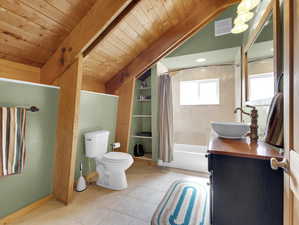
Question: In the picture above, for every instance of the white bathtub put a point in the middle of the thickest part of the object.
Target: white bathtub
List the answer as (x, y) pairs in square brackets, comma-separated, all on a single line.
[(188, 157)]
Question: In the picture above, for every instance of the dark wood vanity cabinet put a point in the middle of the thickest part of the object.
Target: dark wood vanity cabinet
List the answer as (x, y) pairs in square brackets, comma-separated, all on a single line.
[(244, 190)]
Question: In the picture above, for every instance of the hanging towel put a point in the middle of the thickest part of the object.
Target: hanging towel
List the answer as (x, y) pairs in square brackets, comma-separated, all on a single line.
[(274, 126), (12, 140)]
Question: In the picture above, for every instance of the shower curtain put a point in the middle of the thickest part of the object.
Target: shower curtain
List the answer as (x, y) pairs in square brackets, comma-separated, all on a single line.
[(165, 119)]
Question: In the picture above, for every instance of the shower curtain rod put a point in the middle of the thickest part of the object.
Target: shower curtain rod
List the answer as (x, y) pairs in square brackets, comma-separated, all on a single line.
[(224, 64), (194, 67)]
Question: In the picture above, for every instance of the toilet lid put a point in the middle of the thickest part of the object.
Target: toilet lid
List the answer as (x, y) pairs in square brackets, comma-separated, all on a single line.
[(117, 156)]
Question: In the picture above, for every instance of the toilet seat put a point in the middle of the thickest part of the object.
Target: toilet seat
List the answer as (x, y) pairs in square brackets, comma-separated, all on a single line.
[(117, 156)]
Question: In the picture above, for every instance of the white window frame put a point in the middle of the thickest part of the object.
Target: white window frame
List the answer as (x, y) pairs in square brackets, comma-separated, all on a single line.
[(216, 80)]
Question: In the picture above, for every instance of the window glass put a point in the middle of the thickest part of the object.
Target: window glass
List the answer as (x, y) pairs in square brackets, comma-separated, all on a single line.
[(261, 86), (199, 92)]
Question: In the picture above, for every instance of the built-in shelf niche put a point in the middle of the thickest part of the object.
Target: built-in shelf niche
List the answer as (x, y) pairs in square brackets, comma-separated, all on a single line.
[(142, 118)]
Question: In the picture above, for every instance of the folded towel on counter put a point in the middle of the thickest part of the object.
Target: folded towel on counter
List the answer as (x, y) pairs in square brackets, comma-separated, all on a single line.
[(274, 126), (12, 140)]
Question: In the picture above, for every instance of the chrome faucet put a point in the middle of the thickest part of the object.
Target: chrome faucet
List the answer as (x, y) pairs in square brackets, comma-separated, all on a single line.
[(253, 126)]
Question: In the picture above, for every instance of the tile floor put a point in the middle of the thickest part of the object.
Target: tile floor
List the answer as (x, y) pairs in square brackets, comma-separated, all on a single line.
[(99, 206)]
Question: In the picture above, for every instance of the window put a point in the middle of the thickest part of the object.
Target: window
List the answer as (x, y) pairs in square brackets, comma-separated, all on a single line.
[(261, 86), (199, 92)]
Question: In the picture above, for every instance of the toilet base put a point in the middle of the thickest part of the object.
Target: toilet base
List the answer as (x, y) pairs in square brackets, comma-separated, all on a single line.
[(110, 187), (114, 181)]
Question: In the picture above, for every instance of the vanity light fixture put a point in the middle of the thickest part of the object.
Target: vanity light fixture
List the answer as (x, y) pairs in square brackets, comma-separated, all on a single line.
[(201, 60), (247, 5), (243, 17), (239, 28)]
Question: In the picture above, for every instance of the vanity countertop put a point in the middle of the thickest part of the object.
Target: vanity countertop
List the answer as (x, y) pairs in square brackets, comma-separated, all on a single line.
[(242, 148)]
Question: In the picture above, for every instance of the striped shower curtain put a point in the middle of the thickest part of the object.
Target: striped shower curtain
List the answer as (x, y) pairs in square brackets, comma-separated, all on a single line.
[(12, 140)]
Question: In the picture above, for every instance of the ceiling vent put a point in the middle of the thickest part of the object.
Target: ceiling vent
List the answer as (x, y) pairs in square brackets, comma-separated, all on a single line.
[(223, 27)]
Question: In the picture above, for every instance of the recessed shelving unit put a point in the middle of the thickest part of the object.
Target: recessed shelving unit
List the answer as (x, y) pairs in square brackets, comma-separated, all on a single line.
[(142, 117)]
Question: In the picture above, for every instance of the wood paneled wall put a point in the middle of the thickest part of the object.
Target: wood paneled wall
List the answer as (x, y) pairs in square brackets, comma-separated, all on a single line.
[(18, 71), (92, 84), (22, 72), (125, 107)]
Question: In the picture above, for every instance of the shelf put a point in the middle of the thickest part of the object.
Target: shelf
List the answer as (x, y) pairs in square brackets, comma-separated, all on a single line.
[(146, 88), (144, 100), (142, 116), (147, 156), (145, 137)]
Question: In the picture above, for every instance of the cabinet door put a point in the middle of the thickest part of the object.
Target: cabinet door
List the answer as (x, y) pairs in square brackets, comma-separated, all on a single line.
[(246, 191)]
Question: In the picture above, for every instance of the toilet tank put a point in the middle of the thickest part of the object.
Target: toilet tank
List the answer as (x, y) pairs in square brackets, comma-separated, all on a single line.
[(96, 143)]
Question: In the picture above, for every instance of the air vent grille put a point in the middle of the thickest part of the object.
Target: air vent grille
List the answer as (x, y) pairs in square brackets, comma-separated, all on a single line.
[(223, 27)]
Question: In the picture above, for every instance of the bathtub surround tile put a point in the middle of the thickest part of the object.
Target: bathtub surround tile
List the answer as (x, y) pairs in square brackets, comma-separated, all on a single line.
[(99, 206)]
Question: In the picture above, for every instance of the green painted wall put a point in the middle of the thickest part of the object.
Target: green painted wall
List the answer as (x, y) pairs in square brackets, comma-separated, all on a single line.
[(205, 40), (35, 182), (97, 112)]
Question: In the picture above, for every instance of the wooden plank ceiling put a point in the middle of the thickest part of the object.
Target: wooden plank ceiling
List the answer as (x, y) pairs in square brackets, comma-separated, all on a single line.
[(31, 30), (145, 23)]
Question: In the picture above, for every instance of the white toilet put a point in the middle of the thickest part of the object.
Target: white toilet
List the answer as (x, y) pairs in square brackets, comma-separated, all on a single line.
[(110, 166)]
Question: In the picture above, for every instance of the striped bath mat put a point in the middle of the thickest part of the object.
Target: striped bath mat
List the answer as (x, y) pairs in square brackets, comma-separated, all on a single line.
[(12, 140), (185, 203)]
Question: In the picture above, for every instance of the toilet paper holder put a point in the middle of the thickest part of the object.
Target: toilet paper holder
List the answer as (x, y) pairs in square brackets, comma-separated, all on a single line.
[(115, 145)]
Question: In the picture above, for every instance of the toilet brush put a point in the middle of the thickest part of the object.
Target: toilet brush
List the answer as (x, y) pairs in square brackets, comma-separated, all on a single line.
[(81, 184)]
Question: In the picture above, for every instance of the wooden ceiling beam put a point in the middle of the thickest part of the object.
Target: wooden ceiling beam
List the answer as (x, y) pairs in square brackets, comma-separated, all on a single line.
[(101, 15), (204, 12), (111, 26)]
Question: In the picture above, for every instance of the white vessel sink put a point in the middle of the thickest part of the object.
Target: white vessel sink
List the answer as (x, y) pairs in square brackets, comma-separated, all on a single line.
[(230, 130)]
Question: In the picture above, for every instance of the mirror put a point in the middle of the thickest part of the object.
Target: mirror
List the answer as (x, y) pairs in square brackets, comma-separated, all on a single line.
[(260, 65)]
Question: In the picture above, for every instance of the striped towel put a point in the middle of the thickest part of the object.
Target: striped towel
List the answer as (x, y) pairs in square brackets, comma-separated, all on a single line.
[(274, 127), (185, 203), (12, 140)]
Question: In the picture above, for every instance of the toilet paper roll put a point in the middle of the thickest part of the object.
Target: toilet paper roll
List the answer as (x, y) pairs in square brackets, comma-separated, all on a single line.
[(116, 145)]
